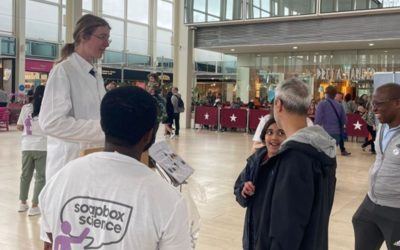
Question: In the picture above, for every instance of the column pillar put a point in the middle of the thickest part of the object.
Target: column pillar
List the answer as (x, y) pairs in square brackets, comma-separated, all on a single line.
[(20, 21), (184, 77), (73, 13)]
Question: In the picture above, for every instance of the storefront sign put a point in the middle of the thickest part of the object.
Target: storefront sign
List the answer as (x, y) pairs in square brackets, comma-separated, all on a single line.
[(38, 66), (110, 73), (131, 75)]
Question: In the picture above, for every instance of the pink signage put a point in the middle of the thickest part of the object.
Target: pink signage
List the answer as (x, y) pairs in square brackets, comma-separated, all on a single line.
[(38, 66)]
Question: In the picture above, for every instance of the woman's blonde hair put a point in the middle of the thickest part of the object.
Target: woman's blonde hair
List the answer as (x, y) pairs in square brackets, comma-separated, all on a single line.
[(84, 28)]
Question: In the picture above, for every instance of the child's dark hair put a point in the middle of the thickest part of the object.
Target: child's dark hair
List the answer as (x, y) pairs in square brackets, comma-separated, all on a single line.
[(127, 114), (266, 126), (37, 100)]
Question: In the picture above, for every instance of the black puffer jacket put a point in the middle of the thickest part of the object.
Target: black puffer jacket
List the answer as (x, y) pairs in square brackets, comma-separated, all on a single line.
[(294, 194), (249, 173)]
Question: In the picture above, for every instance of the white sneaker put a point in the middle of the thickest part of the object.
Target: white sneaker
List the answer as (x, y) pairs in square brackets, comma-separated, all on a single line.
[(172, 136), (23, 207), (34, 211)]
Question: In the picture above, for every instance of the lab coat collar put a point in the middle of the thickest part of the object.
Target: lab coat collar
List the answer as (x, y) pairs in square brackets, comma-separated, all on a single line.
[(83, 63)]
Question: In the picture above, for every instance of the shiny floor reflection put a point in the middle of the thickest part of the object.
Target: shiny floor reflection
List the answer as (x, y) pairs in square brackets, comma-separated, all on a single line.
[(217, 159)]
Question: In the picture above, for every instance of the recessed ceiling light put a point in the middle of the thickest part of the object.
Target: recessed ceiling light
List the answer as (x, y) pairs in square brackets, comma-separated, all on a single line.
[(295, 47), (371, 44), (232, 50), (258, 55), (385, 51)]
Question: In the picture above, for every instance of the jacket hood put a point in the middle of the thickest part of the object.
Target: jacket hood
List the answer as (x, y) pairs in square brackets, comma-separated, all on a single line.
[(316, 137)]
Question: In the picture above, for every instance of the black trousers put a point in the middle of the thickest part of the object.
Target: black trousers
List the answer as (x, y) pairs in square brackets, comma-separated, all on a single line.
[(370, 142), (176, 122), (339, 141), (374, 224)]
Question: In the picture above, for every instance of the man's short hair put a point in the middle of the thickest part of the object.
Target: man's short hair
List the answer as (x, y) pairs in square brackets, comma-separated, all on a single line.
[(295, 96), (127, 114), (331, 91), (392, 90)]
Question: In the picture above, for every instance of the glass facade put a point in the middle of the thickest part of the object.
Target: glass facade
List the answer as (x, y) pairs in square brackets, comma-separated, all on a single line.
[(138, 16), (204, 11), (116, 34), (41, 50), (7, 46), (164, 14), (6, 16), (137, 38), (198, 11), (164, 33), (44, 26), (352, 5), (278, 8), (351, 71)]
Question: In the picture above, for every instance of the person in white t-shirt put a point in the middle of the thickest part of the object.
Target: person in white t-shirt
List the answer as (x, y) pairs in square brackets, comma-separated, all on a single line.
[(110, 199), (33, 146)]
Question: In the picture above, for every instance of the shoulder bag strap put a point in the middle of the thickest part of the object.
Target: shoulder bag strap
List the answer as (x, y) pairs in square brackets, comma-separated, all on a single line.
[(337, 115)]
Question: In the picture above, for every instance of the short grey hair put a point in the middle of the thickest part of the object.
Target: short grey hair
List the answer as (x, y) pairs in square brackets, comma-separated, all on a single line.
[(295, 96)]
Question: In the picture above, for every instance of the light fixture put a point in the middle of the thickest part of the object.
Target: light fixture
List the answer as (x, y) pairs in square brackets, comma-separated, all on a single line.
[(258, 55), (294, 47), (385, 51), (371, 44), (232, 50)]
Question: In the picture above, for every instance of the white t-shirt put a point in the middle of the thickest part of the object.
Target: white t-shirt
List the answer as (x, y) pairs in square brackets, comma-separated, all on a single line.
[(262, 123), (260, 127), (33, 138), (112, 201)]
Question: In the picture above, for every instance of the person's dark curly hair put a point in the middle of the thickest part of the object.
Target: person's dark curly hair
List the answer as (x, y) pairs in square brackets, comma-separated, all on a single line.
[(127, 114)]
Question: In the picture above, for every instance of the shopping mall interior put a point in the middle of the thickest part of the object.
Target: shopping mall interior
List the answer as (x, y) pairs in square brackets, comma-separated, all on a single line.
[(209, 49)]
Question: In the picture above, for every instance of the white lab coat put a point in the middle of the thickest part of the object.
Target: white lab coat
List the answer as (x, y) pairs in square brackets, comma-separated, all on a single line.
[(70, 112)]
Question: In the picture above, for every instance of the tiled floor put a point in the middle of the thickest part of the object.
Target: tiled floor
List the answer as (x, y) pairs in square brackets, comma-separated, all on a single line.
[(217, 158)]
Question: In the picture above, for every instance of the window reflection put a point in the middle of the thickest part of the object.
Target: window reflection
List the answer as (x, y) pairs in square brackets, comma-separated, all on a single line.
[(141, 16), (87, 5), (270, 8), (6, 16), (137, 37), (352, 5), (164, 46), (117, 34), (114, 8), (164, 14), (43, 26), (212, 10)]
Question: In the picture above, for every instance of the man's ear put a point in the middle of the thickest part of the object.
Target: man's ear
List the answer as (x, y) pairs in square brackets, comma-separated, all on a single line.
[(146, 139), (278, 105)]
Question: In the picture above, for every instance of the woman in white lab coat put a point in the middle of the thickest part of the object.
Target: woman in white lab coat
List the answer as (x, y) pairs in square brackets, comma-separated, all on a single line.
[(70, 114)]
